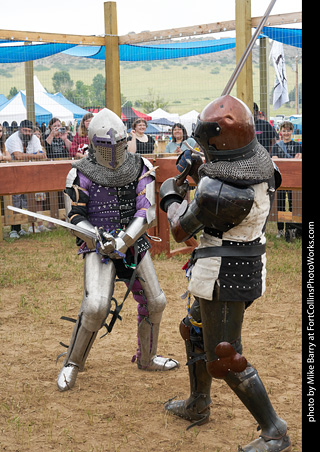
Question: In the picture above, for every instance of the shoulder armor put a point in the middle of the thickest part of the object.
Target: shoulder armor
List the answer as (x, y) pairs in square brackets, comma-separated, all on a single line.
[(222, 205), (149, 165), (218, 205), (71, 176)]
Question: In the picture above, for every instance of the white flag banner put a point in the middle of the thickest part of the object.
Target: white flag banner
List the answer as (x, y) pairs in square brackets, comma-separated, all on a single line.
[(280, 90)]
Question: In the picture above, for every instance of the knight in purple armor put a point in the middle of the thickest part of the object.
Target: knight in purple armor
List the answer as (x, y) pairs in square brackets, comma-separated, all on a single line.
[(110, 192)]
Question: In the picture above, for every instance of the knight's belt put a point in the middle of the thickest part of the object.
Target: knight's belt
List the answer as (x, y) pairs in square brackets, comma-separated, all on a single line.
[(229, 251)]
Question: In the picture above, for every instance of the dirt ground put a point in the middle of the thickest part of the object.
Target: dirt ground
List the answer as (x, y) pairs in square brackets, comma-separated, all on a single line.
[(114, 406)]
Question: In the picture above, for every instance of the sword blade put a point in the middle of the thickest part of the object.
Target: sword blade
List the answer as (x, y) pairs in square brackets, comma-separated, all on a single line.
[(64, 224), (247, 51)]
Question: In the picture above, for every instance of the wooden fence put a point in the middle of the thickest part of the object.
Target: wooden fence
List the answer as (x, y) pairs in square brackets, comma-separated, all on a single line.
[(50, 177)]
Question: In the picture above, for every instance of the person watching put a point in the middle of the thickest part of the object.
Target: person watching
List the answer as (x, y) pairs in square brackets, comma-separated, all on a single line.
[(56, 143), (139, 142), (23, 145), (80, 141), (179, 136), (4, 154)]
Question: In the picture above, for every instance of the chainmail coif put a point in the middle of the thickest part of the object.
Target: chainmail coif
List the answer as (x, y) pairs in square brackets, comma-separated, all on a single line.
[(253, 170), (128, 172)]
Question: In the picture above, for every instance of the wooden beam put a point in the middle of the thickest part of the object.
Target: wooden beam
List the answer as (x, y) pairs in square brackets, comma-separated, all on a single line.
[(264, 76), (134, 38), (216, 27), (112, 62), (31, 36), (243, 37), (30, 107)]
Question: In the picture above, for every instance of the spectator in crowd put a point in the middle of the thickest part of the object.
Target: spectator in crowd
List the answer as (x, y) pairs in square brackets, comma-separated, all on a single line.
[(286, 148), (23, 145), (56, 140), (80, 141), (4, 154), (179, 136), (138, 141), (265, 132), (43, 129), (57, 145)]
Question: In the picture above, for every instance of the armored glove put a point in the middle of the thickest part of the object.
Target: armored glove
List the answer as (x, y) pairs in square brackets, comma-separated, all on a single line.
[(171, 191)]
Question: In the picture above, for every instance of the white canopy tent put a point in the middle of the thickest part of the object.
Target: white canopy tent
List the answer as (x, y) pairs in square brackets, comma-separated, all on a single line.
[(160, 113), (46, 101), (188, 119), (15, 110)]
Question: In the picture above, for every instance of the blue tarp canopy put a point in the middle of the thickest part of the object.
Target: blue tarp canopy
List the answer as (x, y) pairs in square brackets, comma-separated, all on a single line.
[(129, 52), (3, 99), (289, 36)]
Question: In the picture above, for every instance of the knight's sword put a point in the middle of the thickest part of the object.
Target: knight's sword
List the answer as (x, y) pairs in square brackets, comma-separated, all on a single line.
[(65, 224)]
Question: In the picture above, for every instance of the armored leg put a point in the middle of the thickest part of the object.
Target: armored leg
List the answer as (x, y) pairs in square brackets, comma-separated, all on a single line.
[(98, 290), (197, 407), (222, 322), (152, 301), (251, 391)]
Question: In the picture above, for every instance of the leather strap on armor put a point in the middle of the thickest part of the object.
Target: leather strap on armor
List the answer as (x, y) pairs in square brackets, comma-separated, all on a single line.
[(228, 251)]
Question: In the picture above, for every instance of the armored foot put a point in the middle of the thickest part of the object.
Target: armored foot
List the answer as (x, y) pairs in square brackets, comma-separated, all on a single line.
[(263, 445), (196, 409), (67, 377), (159, 363)]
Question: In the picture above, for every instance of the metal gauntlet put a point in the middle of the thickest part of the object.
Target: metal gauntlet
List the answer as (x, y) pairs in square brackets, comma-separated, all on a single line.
[(128, 237), (171, 192)]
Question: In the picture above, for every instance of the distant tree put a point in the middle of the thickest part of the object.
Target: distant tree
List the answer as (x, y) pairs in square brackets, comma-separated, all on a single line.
[(13, 92), (98, 88), (62, 82), (154, 102)]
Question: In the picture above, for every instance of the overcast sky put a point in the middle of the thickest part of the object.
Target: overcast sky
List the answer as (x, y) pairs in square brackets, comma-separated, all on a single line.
[(86, 16)]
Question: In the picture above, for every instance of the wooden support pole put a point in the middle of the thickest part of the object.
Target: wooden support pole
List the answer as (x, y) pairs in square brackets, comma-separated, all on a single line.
[(30, 107), (243, 36), (264, 78), (112, 62)]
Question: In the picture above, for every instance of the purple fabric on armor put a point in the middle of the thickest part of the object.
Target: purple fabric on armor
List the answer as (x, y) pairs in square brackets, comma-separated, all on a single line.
[(142, 204), (143, 312), (84, 182)]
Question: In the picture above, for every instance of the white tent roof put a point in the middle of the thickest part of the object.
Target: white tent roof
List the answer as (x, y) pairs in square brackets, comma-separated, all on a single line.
[(47, 102), (15, 110), (159, 113)]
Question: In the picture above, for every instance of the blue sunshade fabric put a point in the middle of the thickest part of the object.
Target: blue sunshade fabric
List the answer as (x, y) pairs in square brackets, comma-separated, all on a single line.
[(129, 52)]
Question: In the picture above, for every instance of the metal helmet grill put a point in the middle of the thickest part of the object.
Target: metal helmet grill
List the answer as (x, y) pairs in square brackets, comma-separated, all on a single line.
[(108, 139)]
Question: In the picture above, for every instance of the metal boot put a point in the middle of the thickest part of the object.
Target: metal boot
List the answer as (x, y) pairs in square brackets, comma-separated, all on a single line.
[(148, 334), (79, 348), (251, 391)]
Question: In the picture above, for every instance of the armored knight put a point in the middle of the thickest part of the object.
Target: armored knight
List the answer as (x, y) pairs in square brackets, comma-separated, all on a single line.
[(227, 271), (110, 192)]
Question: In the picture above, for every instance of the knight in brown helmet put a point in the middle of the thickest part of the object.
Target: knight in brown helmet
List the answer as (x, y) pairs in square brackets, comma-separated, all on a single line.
[(227, 271)]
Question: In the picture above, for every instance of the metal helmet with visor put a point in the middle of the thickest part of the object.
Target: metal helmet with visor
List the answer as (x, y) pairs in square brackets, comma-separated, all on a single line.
[(108, 139)]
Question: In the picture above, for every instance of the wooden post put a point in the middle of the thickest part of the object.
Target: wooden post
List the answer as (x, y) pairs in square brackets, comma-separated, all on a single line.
[(243, 36), (28, 69), (112, 63), (264, 78)]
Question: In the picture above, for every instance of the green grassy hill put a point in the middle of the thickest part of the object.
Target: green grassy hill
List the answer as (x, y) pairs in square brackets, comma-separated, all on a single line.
[(185, 84)]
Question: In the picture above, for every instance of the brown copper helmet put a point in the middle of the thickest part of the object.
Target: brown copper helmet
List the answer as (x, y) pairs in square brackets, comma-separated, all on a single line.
[(225, 124)]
